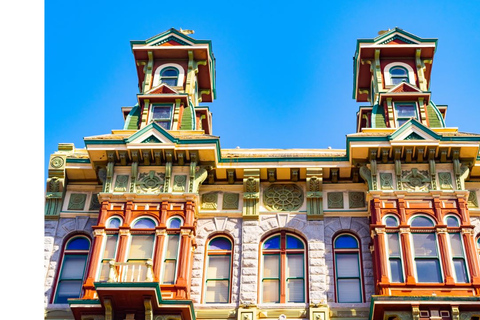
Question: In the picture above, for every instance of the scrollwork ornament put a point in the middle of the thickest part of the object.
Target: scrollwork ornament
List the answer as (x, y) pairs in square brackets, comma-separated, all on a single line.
[(150, 182)]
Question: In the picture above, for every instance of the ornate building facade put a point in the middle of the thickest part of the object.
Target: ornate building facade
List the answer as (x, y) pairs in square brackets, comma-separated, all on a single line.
[(157, 222)]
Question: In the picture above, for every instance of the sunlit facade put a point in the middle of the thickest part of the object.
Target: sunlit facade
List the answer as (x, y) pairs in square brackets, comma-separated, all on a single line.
[(155, 221)]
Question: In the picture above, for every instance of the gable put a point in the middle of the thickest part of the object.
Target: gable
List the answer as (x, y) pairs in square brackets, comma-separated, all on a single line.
[(404, 87), (152, 133), (397, 39), (414, 130), (162, 88)]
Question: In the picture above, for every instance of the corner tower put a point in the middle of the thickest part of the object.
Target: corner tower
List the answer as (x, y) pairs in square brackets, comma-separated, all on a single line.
[(392, 72)]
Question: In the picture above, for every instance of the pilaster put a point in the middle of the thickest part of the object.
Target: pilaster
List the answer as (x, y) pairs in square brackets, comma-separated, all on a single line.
[(251, 193), (314, 193)]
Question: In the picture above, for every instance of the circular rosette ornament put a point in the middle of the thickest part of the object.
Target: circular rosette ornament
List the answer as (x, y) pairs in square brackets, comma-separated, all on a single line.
[(283, 197)]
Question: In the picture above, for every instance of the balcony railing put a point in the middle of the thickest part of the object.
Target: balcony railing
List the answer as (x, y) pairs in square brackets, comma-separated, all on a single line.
[(132, 271)]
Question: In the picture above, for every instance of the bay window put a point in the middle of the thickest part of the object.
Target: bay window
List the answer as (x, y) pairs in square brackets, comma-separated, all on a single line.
[(283, 269)]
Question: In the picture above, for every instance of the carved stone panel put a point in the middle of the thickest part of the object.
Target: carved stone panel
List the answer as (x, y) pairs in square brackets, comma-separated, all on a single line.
[(150, 182), (445, 180), (121, 183), (283, 197), (472, 199), (230, 201), (335, 200), (356, 199), (386, 181), (94, 204), (415, 180), (179, 183), (77, 201), (209, 201)]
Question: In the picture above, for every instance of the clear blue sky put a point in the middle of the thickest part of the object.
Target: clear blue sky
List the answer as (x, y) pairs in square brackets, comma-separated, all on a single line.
[(284, 69)]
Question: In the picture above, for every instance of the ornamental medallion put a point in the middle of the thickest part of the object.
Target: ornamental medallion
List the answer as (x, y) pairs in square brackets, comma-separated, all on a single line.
[(283, 197)]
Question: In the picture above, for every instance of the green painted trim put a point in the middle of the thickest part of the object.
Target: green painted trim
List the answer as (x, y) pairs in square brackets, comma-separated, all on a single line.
[(83, 301), (439, 115), (240, 160), (87, 142), (414, 123), (131, 122), (78, 160), (423, 298)]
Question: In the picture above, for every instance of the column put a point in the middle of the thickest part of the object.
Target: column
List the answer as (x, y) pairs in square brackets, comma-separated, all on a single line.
[(445, 255), (88, 286), (407, 255)]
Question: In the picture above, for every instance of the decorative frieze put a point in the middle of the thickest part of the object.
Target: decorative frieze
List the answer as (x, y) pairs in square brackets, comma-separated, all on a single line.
[(335, 200), (77, 201), (445, 180), (94, 203), (209, 201), (356, 199), (415, 180), (179, 183), (386, 181), (283, 197), (151, 182), (121, 183), (472, 199), (230, 201)]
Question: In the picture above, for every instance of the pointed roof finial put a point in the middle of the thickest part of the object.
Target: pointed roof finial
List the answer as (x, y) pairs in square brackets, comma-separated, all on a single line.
[(185, 32)]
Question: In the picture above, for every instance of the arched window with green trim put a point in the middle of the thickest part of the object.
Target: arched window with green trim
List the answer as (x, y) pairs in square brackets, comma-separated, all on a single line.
[(218, 270), (348, 275), (169, 76)]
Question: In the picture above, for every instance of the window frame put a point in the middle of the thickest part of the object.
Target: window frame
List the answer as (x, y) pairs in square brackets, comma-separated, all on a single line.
[(387, 74), (283, 253), (392, 76), (404, 119), (425, 230), (159, 121), (170, 233), (158, 71), (340, 251), (210, 253), (66, 253), (162, 77)]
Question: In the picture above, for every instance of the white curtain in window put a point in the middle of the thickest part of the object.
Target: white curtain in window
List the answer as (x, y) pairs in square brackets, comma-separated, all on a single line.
[(347, 265), (349, 290), (141, 247), (217, 291), (218, 267)]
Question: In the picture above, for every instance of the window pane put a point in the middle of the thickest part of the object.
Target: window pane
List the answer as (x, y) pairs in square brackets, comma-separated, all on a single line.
[(425, 244), (294, 265), (73, 266), (405, 110), (270, 291), (218, 267), (175, 223), (113, 223), (396, 270), (272, 243), (294, 243), (162, 112), (169, 81), (164, 124), (346, 242), (217, 291), (104, 271), (347, 265), (397, 71), (144, 223), (78, 244), (220, 244), (295, 290), (397, 80), (141, 247), (172, 246), (460, 270), (110, 247), (271, 265), (169, 72), (428, 270), (456, 243), (393, 244), (68, 289), (169, 272), (391, 222), (452, 222), (348, 290)]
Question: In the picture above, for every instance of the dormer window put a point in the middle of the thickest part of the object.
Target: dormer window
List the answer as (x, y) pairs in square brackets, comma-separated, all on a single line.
[(162, 115), (398, 75), (404, 111), (169, 76)]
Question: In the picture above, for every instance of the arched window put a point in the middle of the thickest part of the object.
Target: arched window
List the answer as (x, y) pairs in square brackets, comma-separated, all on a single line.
[(218, 270), (140, 250), (457, 250), (72, 269), (425, 251), (394, 250), (169, 76), (114, 223), (172, 244), (348, 279), (398, 75), (283, 269)]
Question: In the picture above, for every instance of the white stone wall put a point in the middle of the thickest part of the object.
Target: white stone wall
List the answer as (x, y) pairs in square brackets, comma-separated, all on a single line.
[(56, 232), (360, 228), (476, 222)]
